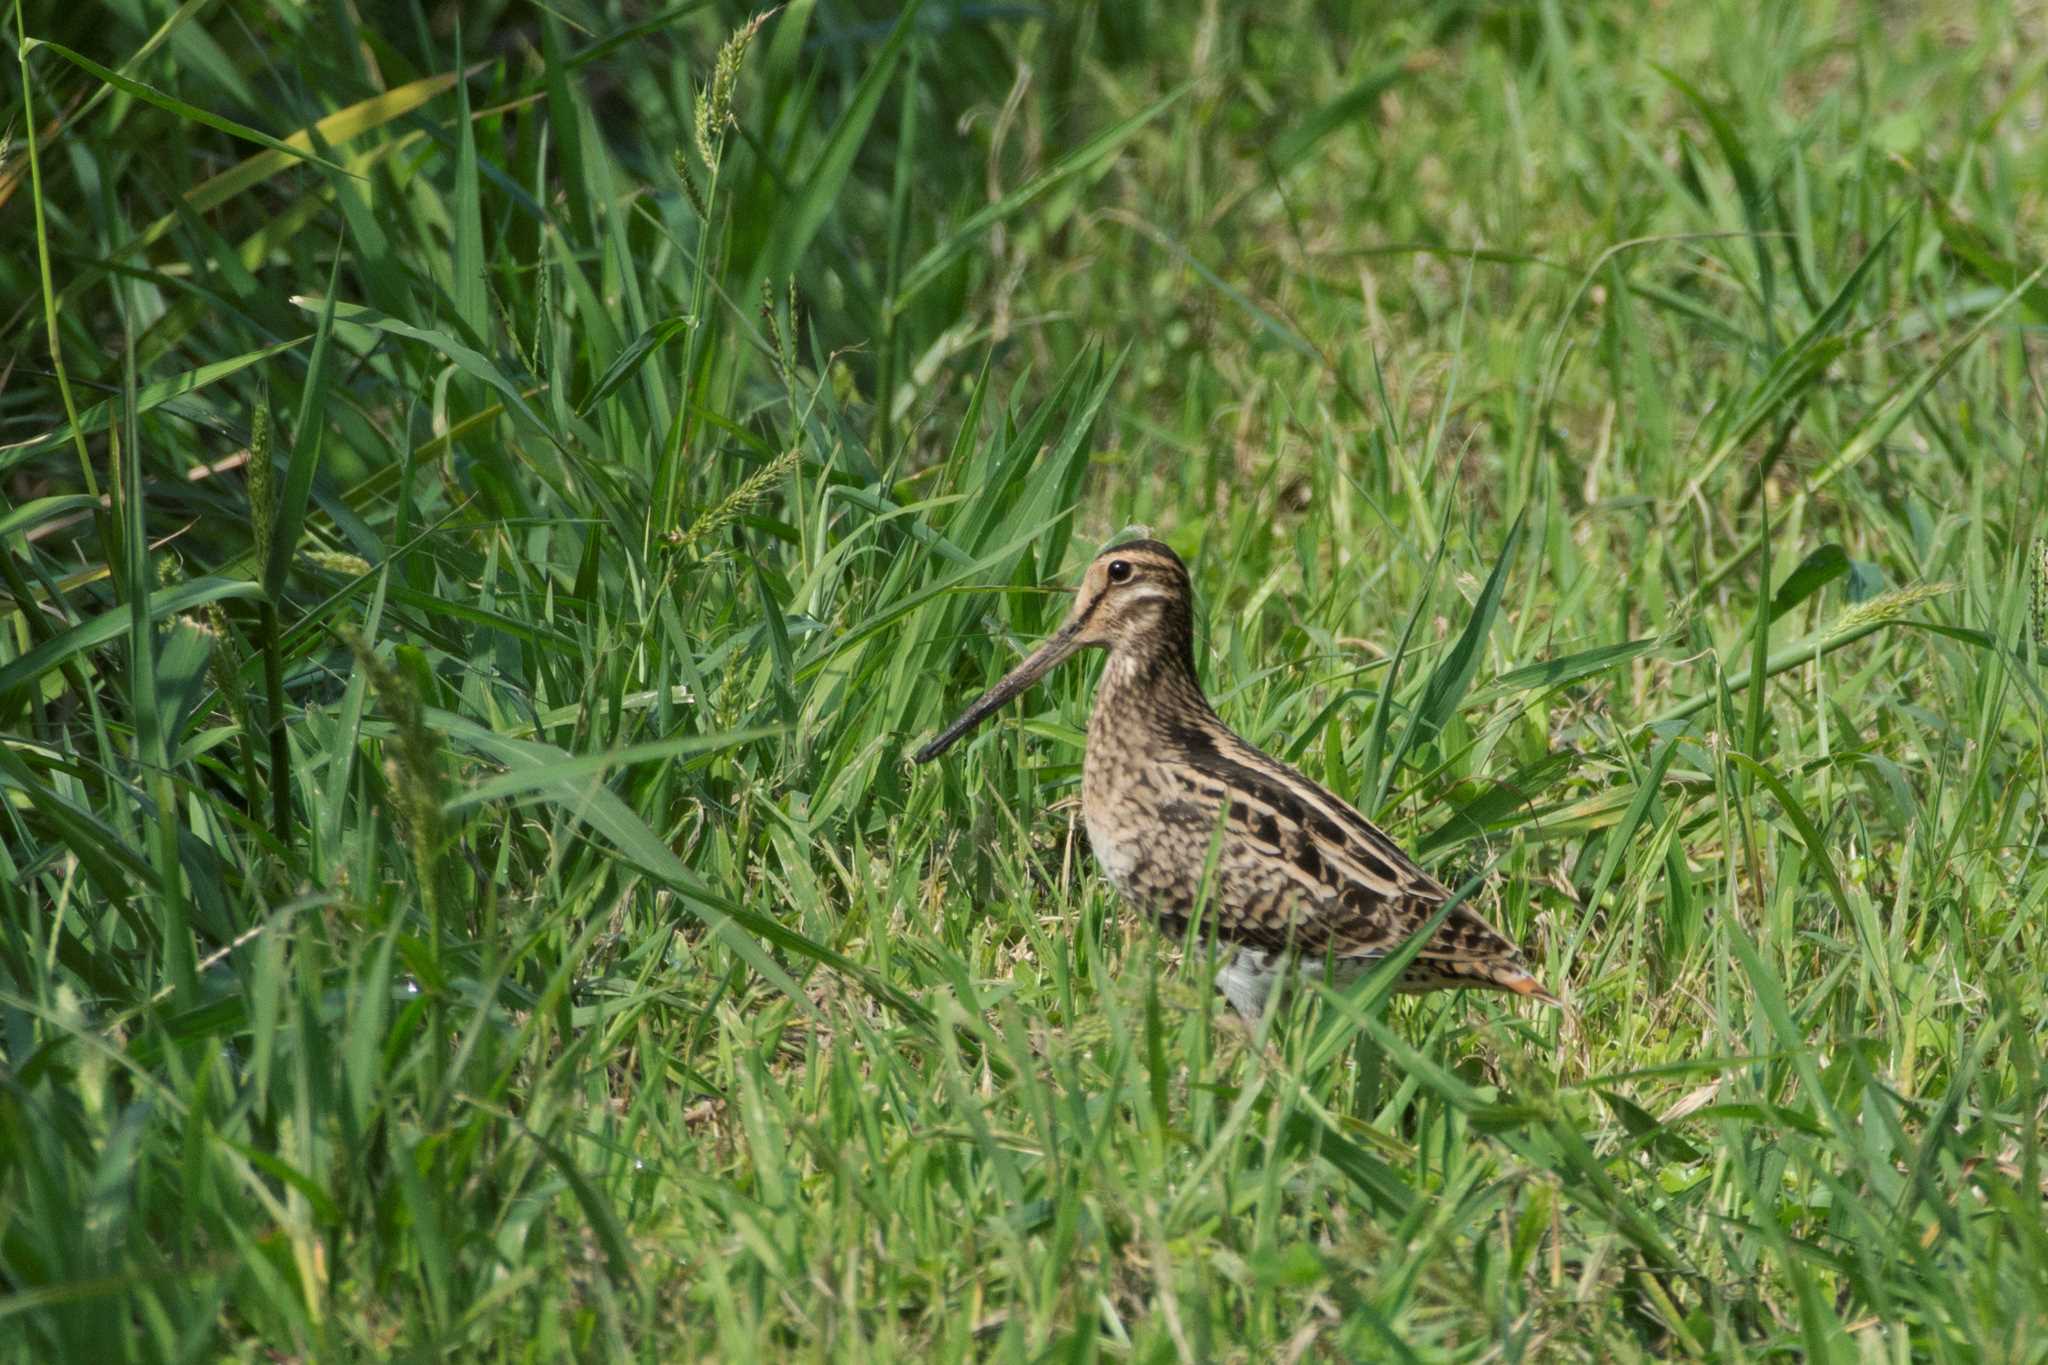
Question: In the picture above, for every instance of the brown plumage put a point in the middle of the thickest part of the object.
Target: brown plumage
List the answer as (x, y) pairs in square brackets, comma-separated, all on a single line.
[(1297, 873)]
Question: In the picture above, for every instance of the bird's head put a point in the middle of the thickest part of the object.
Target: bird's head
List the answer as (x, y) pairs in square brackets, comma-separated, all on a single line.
[(1135, 601)]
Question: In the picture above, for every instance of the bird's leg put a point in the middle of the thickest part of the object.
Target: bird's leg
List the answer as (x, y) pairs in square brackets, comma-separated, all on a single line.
[(1247, 981)]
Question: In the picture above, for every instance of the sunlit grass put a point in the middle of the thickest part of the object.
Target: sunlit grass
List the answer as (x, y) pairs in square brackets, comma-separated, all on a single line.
[(464, 891)]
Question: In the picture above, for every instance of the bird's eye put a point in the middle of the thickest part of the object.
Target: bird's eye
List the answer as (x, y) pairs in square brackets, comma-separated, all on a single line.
[(1119, 571)]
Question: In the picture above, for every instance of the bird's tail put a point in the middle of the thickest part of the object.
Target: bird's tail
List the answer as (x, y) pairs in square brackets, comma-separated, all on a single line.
[(1435, 974)]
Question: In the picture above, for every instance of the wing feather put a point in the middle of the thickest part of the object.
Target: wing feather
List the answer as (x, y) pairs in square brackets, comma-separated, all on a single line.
[(1298, 867)]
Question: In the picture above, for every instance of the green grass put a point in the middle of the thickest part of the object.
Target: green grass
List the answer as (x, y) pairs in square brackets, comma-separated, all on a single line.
[(473, 581)]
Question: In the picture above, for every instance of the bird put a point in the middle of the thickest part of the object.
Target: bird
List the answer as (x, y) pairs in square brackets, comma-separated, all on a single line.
[(1176, 804)]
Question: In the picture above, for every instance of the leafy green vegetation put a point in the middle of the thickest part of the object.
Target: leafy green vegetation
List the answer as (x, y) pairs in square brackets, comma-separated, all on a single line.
[(490, 496)]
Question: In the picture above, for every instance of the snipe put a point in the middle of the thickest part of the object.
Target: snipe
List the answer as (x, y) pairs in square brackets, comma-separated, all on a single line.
[(1297, 873)]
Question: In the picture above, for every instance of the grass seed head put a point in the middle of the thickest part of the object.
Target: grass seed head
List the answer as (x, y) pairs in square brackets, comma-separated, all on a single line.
[(262, 484), (714, 101), (2041, 591), (336, 562), (1887, 606), (723, 514), (413, 765)]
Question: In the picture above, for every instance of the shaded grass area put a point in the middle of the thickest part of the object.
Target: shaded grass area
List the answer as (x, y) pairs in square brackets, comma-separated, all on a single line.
[(492, 496)]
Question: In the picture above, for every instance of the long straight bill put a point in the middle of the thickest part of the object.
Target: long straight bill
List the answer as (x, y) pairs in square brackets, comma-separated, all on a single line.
[(1019, 679)]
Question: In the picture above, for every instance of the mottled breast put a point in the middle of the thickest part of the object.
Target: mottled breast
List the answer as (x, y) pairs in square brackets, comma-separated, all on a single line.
[(1150, 855), (1116, 851), (1114, 796)]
